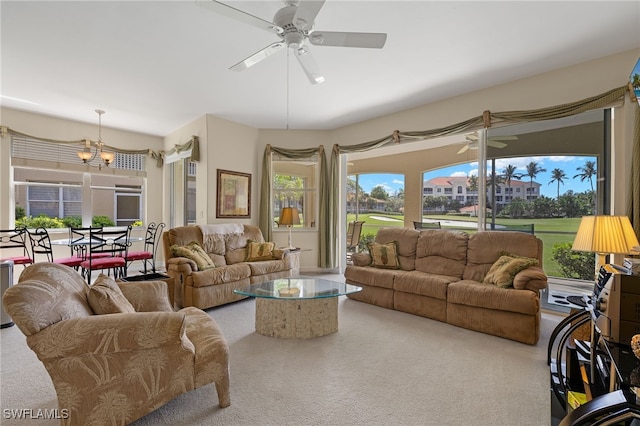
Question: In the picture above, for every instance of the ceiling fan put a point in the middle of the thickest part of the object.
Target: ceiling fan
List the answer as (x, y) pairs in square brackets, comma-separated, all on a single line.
[(496, 142), (294, 25)]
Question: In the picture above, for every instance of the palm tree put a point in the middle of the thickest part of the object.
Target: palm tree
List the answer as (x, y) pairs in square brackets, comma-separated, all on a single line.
[(557, 175), (532, 171), (588, 172), (509, 173)]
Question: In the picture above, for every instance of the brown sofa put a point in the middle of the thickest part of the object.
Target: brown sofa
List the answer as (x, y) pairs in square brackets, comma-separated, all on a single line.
[(226, 246), (441, 277)]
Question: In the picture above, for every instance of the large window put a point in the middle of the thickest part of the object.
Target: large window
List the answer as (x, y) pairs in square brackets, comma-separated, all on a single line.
[(42, 188), (295, 184), (543, 177)]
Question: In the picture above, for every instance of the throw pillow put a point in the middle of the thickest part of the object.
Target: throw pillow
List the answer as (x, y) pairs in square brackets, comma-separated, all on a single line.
[(384, 255), (505, 268), (259, 251), (105, 297), (195, 252)]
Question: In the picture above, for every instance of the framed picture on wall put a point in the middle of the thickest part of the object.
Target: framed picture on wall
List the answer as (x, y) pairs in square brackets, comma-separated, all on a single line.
[(234, 194)]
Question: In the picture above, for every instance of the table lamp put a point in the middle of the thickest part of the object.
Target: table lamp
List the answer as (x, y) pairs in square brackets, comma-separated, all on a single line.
[(289, 216), (604, 235)]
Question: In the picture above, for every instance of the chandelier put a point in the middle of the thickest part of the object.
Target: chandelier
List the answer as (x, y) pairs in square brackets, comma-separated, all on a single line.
[(87, 156)]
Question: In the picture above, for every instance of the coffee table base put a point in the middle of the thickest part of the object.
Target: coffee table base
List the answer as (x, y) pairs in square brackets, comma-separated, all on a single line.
[(296, 318)]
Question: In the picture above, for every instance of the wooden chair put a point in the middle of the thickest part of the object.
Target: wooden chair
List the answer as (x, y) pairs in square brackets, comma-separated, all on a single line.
[(15, 239), (426, 225), (41, 244), (148, 255), (107, 250)]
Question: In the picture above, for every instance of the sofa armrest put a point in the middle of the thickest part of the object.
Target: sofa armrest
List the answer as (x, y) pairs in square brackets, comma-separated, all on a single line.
[(110, 334), (182, 264), (280, 253), (361, 259), (147, 296), (533, 278)]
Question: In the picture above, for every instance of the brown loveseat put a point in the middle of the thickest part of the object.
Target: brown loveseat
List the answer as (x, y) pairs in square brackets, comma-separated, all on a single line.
[(441, 276), (226, 247), (115, 351)]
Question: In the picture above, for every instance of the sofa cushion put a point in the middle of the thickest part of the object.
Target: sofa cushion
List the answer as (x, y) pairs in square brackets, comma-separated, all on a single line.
[(489, 296), (419, 283), (195, 252), (442, 252), (221, 275), (505, 269), (259, 251), (267, 267), (105, 297), (384, 255), (406, 240), (367, 275), (486, 247)]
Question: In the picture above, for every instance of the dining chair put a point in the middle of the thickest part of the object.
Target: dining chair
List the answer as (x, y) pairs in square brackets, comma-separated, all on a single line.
[(107, 250), (148, 255), (41, 244), (15, 239), (79, 242)]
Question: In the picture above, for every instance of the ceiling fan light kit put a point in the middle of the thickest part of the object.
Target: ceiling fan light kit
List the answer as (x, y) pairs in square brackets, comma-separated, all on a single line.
[(294, 24)]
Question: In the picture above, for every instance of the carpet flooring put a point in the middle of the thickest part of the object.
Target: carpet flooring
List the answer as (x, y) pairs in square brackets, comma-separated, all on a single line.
[(382, 367)]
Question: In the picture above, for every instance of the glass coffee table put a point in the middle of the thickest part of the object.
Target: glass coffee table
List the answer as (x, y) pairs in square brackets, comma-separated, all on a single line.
[(297, 307)]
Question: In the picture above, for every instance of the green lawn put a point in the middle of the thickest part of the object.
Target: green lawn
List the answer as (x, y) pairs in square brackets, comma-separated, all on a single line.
[(550, 231)]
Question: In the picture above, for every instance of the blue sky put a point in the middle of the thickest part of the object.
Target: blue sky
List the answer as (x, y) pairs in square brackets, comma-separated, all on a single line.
[(569, 164)]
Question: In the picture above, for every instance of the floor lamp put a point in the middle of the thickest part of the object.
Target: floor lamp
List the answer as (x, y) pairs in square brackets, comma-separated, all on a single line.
[(289, 216), (605, 235)]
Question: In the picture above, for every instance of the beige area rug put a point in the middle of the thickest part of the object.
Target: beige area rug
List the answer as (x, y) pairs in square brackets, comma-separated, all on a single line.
[(381, 368)]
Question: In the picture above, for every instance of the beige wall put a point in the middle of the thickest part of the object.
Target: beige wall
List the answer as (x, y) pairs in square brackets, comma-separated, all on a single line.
[(232, 146)]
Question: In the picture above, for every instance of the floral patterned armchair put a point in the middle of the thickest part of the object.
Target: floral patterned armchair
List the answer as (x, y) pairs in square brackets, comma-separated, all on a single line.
[(115, 368)]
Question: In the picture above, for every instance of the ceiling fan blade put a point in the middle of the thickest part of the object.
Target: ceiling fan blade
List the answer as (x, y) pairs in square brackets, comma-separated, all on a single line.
[(309, 65), (496, 144), (342, 39), (464, 149), (306, 14), (239, 15), (258, 56)]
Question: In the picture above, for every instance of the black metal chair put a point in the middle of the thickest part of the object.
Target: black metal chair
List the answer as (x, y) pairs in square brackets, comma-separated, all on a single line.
[(15, 239), (151, 242), (41, 244), (107, 250), (426, 225)]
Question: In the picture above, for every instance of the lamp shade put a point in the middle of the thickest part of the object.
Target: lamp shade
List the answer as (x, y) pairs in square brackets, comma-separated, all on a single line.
[(605, 234), (289, 216)]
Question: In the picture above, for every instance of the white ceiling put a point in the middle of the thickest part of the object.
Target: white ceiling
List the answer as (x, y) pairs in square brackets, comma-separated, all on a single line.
[(155, 66)]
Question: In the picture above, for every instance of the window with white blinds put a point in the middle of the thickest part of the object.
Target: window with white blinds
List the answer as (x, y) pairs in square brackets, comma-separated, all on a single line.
[(33, 149)]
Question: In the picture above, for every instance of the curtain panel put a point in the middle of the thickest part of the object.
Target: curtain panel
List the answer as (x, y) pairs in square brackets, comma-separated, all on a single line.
[(266, 212)]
